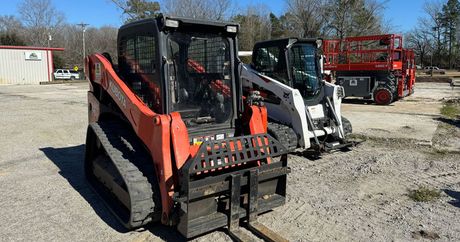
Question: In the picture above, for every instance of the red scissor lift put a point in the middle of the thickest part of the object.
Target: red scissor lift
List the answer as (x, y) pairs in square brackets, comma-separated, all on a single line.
[(373, 67)]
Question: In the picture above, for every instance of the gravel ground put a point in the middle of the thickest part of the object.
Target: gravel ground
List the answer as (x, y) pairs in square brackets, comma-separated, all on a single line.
[(359, 195)]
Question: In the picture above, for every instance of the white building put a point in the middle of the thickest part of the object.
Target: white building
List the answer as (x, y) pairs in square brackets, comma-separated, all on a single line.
[(26, 64)]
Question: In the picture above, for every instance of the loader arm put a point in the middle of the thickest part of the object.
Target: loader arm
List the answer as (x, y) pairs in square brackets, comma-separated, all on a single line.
[(147, 124), (290, 100)]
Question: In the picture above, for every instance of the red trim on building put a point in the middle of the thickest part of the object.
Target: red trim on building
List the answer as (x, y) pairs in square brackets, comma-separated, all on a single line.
[(48, 64), (52, 63), (29, 48)]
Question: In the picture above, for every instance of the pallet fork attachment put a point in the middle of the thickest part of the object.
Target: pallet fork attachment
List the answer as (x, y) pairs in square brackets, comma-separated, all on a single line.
[(252, 224), (223, 200)]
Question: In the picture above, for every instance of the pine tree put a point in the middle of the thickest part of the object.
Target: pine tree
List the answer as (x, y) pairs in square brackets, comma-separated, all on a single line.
[(449, 18)]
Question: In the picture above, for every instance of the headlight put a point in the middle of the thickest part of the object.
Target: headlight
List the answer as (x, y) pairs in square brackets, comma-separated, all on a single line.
[(232, 28)]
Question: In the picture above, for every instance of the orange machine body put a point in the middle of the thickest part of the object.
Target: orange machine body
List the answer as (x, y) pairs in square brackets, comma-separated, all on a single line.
[(164, 135)]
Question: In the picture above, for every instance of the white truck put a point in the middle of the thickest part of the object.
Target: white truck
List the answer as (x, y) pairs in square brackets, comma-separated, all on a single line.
[(303, 110), (65, 74)]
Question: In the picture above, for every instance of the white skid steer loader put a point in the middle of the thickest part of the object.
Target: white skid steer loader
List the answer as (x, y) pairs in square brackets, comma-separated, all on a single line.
[(303, 109)]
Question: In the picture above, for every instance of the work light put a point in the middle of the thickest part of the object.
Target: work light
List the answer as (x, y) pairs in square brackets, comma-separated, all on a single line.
[(172, 23), (232, 28)]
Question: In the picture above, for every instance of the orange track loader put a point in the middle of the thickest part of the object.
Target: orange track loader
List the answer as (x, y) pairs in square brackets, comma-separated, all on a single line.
[(170, 137)]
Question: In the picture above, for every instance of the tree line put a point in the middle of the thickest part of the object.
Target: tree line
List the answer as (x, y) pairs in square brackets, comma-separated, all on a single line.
[(40, 24), (436, 37)]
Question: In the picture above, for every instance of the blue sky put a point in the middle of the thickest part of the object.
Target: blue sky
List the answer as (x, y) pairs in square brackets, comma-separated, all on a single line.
[(402, 14)]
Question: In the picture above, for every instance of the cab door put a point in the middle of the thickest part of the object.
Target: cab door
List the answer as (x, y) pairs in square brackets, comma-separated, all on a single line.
[(66, 74), (58, 74)]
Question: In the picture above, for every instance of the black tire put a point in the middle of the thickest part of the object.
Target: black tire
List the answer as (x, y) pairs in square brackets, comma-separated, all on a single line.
[(284, 134), (72, 78), (346, 124), (383, 96)]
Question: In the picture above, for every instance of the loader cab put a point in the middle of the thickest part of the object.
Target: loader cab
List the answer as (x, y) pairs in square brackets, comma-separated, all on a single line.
[(294, 62), (186, 66)]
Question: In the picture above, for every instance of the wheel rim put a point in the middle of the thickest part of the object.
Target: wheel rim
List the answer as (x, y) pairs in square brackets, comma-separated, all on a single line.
[(382, 96)]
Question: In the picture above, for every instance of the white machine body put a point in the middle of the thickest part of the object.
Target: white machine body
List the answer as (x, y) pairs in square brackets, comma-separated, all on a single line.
[(292, 110)]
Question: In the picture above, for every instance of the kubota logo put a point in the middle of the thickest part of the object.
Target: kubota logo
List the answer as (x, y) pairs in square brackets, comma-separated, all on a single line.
[(117, 93)]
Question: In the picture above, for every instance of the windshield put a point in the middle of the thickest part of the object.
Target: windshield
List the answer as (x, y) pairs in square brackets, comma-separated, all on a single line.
[(305, 70), (200, 78)]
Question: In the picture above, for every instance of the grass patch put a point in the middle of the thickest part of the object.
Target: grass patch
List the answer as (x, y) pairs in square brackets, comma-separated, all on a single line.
[(424, 194), (450, 110)]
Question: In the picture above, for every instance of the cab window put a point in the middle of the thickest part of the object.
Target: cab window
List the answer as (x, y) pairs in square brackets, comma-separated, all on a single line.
[(270, 61)]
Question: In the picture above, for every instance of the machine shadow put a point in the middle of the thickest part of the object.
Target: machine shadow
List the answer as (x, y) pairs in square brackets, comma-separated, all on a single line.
[(455, 195), (453, 122), (69, 160), (357, 101)]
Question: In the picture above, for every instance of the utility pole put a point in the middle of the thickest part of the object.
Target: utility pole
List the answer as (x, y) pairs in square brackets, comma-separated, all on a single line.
[(83, 27), (49, 39)]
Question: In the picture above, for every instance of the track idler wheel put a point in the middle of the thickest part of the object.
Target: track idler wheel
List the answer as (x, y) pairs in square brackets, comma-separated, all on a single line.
[(383, 96)]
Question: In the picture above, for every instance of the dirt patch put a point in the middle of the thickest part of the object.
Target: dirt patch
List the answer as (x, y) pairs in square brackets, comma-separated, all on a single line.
[(423, 234), (433, 79)]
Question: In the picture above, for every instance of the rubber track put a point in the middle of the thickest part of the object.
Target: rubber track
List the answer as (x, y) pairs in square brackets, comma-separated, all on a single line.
[(284, 134), (136, 170)]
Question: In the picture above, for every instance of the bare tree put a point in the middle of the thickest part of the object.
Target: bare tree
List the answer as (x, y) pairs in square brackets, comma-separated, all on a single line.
[(12, 32), (99, 40), (41, 18), (354, 17), (255, 26), (431, 24), (137, 9), (307, 17), (421, 42), (103, 39), (10, 24), (201, 9)]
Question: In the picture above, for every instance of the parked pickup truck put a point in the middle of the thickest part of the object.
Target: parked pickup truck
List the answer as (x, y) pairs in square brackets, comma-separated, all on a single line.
[(63, 74), (434, 69)]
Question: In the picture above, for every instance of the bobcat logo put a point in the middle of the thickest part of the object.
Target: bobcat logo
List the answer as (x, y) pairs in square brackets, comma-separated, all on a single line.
[(33, 56), (286, 94)]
